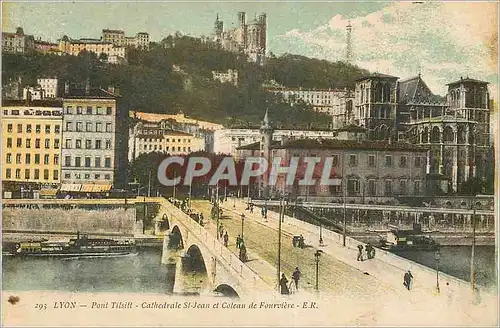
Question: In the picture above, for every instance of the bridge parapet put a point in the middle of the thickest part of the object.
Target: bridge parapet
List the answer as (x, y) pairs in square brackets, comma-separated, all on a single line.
[(229, 264)]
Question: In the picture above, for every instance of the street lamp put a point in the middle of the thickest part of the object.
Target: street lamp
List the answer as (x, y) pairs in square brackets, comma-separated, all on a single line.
[(317, 255), (437, 256), (242, 222)]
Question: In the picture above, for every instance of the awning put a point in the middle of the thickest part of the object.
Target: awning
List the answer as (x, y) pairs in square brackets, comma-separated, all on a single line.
[(70, 187), (48, 192), (95, 187)]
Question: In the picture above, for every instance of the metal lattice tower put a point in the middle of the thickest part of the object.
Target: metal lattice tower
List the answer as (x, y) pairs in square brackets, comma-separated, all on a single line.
[(349, 43)]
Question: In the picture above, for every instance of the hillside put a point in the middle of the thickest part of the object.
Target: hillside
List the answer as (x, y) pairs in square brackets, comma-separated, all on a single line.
[(149, 83)]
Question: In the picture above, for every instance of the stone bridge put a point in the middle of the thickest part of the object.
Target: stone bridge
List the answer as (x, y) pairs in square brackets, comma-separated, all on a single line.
[(202, 264)]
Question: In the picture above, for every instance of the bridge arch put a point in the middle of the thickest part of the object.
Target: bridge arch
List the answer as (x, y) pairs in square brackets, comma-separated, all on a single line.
[(175, 241), (227, 291), (193, 260)]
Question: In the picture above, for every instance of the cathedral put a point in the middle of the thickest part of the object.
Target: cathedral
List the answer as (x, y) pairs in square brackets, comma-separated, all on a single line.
[(248, 37), (455, 129)]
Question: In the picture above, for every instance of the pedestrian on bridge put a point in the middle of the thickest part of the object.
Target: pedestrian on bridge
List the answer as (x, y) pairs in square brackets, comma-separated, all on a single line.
[(408, 278), (226, 239), (238, 241), (284, 285), (243, 252), (360, 252), (296, 276)]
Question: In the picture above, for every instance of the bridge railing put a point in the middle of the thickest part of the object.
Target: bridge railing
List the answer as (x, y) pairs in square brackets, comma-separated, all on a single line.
[(231, 261)]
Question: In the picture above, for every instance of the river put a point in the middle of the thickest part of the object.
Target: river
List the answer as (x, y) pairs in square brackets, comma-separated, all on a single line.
[(144, 273)]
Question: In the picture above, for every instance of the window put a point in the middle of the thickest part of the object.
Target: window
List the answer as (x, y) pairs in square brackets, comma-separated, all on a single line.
[(353, 160), (67, 161), (9, 128), (46, 174), (56, 159), (97, 176), (109, 110), (78, 162), (178, 148), (37, 143), (79, 110), (37, 158), (18, 173), (335, 160), (87, 176), (372, 188), (78, 143), (388, 187), (47, 143), (28, 128), (108, 144), (352, 186), (9, 142), (77, 176), (402, 161), (98, 144), (89, 110), (69, 110), (107, 177), (88, 144), (18, 158), (97, 162), (37, 128), (402, 187), (46, 159), (57, 128), (388, 160), (19, 142), (98, 127), (100, 111), (8, 158), (371, 160), (56, 143), (416, 186), (79, 126), (47, 128), (56, 174), (27, 173), (107, 162), (8, 173), (88, 127), (68, 143), (28, 159), (69, 126), (108, 127), (87, 161), (37, 174), (19, 128), (418, 161), (67, 175)]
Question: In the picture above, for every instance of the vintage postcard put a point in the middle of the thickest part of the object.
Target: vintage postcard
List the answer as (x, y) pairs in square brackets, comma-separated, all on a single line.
[(229, 163)]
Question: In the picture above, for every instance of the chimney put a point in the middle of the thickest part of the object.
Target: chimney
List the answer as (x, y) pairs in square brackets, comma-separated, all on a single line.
[(111, 89), (87, 87)]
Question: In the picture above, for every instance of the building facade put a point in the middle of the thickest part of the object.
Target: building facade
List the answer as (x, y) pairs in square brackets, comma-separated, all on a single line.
[(50, 86), (31, 144), (148, 137), (18, 42), (231, 76), (249, 38), (115, 54), (322, 100), (46, 48), (118, 38), (89, 149)]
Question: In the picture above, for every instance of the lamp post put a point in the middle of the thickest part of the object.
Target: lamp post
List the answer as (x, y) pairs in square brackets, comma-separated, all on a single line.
[(234, 201), (343, 186), (242, 223), (217, 208), (279, 241), (437, 256), (472, 273), (317, 255), (320, 235)]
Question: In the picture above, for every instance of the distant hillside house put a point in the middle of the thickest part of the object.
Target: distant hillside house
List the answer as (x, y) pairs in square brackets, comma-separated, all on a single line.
[(114, 54), (118, 38), (18, 42), (231, 76)]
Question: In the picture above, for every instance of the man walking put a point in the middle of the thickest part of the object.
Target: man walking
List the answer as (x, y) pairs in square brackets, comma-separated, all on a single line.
[(226, 239), (408, 280), (360, 252), (284, 285), (296, 277)]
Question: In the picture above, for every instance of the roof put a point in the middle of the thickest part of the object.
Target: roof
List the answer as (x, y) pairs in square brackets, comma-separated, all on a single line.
[(33, 103), (147, 136), (349, 144), (415, 90), (467, 80), (256, 145), (352, 128), (377, 75), (93, 94), (176, 133), (113, 31)]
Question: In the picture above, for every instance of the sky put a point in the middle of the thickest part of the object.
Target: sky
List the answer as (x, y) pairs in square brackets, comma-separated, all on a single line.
[(442, 40)]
